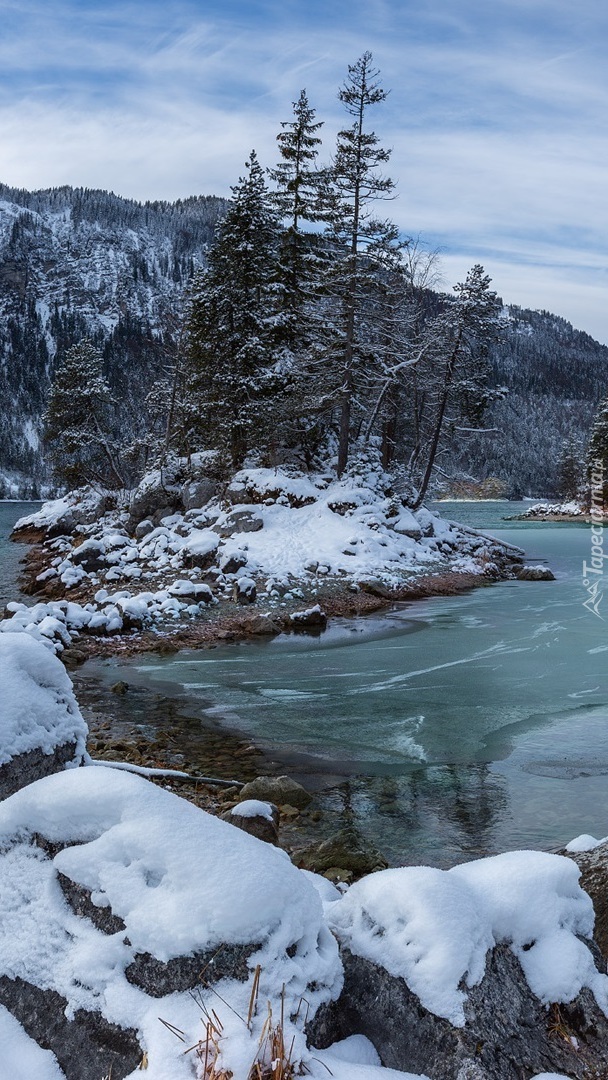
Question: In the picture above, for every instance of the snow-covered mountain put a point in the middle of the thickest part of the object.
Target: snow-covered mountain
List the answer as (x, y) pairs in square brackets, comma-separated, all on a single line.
[(556, 376), (75, 262)]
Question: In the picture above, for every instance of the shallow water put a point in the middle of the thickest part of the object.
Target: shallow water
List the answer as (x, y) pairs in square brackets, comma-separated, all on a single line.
[(464, 725), (10, 553), (445, 729)]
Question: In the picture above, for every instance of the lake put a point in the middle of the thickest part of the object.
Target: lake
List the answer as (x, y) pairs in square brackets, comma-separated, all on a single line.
[(10, 554), (446, 728)]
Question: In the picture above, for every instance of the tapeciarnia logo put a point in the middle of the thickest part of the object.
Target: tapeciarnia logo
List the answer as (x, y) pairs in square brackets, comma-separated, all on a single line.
[(593, 572)]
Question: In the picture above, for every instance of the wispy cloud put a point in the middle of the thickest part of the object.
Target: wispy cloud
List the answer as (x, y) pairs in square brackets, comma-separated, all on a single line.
[(497, 114)]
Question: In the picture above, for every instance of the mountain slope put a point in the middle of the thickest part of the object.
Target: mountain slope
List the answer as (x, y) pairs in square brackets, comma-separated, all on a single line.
[(556, 376), (75, 262)]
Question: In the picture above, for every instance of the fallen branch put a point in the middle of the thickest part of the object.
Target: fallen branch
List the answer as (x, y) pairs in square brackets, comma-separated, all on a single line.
[(171, 773)]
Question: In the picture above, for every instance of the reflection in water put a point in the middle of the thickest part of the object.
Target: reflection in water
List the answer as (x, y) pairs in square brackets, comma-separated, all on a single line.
[(441, 814)]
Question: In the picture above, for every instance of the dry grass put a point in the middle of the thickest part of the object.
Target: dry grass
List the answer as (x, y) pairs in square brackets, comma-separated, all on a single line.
[(273, 1058)]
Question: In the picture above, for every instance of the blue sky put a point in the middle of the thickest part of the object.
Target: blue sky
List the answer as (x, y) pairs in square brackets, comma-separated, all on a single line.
[(497, 116)]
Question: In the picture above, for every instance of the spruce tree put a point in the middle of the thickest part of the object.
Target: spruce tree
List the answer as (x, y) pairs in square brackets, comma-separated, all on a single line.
[(301, 199), (597, 459), (362, 245), (233, 370), (78, 421), (571, 470)]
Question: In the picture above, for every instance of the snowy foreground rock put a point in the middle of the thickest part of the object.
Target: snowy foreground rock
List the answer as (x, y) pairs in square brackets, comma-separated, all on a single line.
[(41, 728), (272, 536), (121, 903), (138, 933), (118, 898)]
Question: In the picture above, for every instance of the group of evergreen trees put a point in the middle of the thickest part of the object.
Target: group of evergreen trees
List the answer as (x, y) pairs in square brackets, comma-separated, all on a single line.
[(311, 327), (312, 323)]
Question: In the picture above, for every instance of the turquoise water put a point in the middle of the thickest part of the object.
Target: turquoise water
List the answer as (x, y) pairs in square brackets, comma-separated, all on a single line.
[(445, 728), (10, 554)]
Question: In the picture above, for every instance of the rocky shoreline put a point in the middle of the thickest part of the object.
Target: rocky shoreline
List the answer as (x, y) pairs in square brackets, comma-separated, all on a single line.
[(72, 546)]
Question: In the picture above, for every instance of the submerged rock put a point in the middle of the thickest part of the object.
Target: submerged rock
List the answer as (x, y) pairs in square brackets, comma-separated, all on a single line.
[(346, 850), (279, 790)]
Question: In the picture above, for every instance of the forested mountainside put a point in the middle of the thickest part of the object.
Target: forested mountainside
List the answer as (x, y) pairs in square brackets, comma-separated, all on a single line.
[(77, 263), (555, 376)]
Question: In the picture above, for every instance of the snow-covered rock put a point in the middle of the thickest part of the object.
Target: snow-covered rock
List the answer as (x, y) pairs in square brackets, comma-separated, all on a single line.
[(41, 727), (460, 973), (177, 892)]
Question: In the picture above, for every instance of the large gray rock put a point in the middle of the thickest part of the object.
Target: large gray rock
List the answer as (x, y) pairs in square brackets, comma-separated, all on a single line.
[(25, 768), (86, 1046), (508, 1035), (533, 573), (239, 521), (158, 977), (280, 790), (198, 493), (594, 880), (156, 492)]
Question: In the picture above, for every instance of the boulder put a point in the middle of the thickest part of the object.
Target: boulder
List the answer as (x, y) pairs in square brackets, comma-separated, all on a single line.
[(257, 818), (245, 591), (60, 517), (155, 492), (25, 768), (313, 618), (197, 591), (87, 1046), (594, 880), (90, 556), (279, 790), (263, 625), (508, 1033), (232, 561), (41, 727), (198, 493), (345, 850), (143, 528), (114, 883), (375, 587), (240, 521), (406, 524), (533, 573)]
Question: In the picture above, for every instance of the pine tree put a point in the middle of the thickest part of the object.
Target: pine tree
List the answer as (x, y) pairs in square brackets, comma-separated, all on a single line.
[(301, 198), (362, 246), (234, 325), (458, 371), (78, 421), (571, 470), (597, 459)]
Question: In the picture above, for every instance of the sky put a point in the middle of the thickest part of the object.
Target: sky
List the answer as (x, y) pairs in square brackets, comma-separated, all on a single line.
[(497, 116)]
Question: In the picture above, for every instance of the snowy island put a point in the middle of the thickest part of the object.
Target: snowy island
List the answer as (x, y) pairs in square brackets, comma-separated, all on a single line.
[(187, 554)]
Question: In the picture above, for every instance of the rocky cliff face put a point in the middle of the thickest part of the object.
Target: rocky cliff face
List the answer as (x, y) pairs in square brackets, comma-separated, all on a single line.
[(75, 262)]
